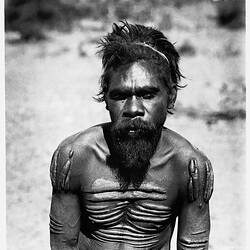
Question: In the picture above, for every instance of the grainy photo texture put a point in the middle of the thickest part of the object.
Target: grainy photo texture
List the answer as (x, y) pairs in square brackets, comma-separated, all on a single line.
[(125, 124)]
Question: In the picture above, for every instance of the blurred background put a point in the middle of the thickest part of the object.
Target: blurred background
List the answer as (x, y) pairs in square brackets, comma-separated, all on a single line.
[(52, 73)]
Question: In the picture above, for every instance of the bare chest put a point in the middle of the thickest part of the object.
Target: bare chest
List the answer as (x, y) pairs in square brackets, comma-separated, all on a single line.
[(137, 216)]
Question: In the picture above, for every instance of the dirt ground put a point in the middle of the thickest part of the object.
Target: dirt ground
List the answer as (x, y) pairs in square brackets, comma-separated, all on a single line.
[(49, 89)]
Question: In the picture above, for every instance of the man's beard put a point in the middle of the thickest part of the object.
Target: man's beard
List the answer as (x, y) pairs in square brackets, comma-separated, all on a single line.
[(132, 145)]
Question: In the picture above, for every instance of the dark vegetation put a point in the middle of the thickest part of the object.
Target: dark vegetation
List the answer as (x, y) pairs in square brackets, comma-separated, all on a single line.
[(31, 18), (231, 105), (186, 49), (231, 14)]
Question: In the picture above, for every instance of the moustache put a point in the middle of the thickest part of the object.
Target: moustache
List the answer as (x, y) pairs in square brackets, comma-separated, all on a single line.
[(132, 128)]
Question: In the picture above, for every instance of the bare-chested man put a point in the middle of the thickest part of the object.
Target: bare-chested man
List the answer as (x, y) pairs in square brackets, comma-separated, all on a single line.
[(121, 185)]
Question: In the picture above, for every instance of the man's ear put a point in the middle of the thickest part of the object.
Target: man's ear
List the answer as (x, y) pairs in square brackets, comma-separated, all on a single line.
[(106, 103), (172, 98)]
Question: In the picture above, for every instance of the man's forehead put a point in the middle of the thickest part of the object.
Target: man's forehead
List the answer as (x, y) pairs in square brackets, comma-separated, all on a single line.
[(135, 75)]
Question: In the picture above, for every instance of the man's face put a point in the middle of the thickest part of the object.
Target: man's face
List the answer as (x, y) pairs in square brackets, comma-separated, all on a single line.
[(136, 93), (137, 102)]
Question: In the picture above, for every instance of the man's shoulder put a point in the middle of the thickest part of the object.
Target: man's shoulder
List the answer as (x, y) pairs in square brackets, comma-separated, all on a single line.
[(193, 167), (72, 152), (181, 148), (83, 138)]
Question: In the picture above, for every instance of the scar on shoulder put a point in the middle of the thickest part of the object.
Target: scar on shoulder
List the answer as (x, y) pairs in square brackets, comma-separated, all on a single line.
[(194, 182), (60, 177), (209, 181)]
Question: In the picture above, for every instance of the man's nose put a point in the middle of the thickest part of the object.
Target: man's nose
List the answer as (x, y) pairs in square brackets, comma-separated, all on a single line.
[(133, 108)]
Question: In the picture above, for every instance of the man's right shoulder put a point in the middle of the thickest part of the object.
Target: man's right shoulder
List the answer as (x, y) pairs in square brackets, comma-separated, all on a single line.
[(71, 151), (83, 138)]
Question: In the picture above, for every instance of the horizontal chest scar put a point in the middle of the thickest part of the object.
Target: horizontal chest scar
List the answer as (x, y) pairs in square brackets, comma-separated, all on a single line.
[(129, 195), (104, 190)]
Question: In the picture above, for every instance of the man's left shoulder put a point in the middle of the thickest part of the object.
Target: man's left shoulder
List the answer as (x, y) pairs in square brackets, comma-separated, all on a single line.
[(183, 150), (188, 152), (194, 168)]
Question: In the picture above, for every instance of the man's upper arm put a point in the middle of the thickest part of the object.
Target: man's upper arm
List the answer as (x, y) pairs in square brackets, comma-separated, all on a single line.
[(65, 206), (194, 219)]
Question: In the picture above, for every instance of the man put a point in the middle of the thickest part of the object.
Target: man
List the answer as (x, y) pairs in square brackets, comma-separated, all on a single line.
[(121, 185)]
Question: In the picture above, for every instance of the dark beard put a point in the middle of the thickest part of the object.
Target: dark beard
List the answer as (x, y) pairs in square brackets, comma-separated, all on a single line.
[(130, 153)]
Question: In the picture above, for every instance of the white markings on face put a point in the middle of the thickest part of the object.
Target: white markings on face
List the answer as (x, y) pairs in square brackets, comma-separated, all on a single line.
[(136, 92), (137, 77)]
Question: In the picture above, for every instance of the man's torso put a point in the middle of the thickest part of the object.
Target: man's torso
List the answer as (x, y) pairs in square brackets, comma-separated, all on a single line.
[(135, 218)]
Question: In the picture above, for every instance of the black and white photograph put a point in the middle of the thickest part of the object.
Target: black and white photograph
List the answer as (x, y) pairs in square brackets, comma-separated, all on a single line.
[(124, 125)]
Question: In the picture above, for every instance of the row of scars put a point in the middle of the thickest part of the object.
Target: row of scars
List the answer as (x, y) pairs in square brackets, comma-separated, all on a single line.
[(60, 177), (60, 181), (194, 183)]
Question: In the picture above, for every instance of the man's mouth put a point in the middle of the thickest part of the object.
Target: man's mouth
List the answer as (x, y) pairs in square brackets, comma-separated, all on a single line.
[(131, 131)]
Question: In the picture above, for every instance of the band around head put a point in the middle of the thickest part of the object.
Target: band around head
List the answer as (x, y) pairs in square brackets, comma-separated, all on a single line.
[(155, 50)]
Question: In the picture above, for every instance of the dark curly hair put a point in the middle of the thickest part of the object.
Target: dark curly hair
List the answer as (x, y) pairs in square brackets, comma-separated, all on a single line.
[(129, 43)]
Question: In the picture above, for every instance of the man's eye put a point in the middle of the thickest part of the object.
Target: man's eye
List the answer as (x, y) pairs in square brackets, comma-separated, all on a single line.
[(118, 97), (148, 96)]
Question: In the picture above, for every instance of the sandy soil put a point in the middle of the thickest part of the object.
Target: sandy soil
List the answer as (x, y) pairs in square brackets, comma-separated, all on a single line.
[(49, 90)]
